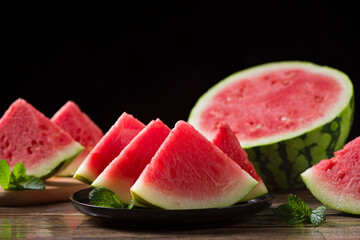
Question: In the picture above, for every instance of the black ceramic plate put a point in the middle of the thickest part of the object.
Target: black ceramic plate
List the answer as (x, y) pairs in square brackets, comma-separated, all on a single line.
[(161, 217)]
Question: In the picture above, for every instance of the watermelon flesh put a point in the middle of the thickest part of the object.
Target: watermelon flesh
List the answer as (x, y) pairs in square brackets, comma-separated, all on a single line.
[(27, 136), (336, 181), (229, 144), (109, 147), (286, 115), (189, 172), (125, 169), (71, 119)]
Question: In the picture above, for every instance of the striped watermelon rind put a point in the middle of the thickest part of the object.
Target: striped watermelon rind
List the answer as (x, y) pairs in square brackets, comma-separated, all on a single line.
[(280, 164), (279, 160)]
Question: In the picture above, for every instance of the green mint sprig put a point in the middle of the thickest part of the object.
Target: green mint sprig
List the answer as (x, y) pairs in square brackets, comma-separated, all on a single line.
[(104, 197), (17, 178), (297, 211)]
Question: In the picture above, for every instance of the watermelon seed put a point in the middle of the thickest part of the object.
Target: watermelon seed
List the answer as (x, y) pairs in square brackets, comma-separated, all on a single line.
[(286, 82), (319, 99), (7, 144), (29, 150), (34, 143)]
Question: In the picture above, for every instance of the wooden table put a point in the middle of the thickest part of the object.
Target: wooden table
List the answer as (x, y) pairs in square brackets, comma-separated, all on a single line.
[(63, 221)]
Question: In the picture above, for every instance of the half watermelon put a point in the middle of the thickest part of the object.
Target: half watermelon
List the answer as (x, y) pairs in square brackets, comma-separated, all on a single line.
[(336, 181), (125, 169), (189, 172), (287, 116), (109, 147), (71, 119), (27, 136), (229, 144)]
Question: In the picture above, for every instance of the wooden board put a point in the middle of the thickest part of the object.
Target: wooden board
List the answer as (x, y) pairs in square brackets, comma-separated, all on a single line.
[(57, 189)]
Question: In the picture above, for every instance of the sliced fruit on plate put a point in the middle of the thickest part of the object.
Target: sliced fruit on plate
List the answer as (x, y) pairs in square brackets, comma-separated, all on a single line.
[(71, 119), (336, 181), (287, 116), (229, 144), (27, 136), (125, 169), (109, 147), (188, 172)]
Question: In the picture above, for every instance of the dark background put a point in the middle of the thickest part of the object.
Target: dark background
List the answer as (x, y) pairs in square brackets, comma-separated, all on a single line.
[(154, 59)]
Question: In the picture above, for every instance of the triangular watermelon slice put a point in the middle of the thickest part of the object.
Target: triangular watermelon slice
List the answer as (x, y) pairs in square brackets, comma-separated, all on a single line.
[(226, 140), (125, 169), (109, 147), (71, 119), (27, 136), (336, 181), (189, 172)]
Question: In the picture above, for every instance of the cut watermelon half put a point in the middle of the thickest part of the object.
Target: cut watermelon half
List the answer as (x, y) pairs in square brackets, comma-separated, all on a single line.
[(125, 169), (229, 144), (27, 136), (336, 181), (109, 147), (286, 115), (189, 172), (71, 119)]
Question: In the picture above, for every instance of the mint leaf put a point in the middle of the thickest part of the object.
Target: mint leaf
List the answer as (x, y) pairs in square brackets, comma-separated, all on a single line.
[(318, 215), (27, 183), (284, 212), (18, 171), (4, 174), (104, 197), (297, 211), (298, 206), (17, 179)]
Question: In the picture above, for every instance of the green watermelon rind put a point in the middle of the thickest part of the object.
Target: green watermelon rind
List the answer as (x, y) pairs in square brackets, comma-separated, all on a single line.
[(83, 175), (279, 160), (57, 163), (324, 192), (258, 191), (142, 202), (280, 164)]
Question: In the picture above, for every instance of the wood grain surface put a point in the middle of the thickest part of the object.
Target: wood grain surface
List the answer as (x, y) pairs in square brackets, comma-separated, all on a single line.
[(57, 189), (63, 221)]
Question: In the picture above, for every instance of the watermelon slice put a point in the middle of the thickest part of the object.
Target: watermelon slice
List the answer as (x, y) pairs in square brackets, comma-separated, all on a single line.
[(125, 169), (229, 144), (287, 116), (27, 136), (189, 172), (109, 147), (71, 119), (336, 181)]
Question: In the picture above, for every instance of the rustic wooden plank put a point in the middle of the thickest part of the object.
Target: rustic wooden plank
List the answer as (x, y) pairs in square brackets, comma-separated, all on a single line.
[(62, 220), (57, 189)]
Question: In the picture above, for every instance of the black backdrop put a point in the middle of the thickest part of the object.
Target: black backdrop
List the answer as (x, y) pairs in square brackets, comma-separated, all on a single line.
[(155, 59)]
